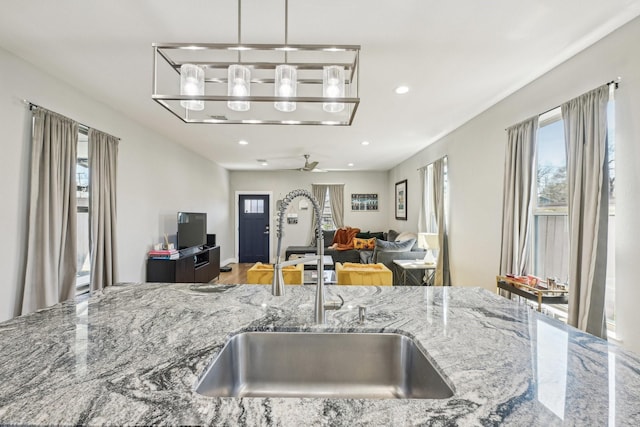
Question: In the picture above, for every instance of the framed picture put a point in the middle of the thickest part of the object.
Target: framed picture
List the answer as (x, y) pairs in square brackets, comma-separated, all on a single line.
[(401, 200), (364, 202)]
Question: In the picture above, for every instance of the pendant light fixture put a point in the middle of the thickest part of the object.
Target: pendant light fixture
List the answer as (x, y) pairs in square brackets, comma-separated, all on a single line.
[(286, 78), (333, 87), (239, 76), (250, 83), (286, 85), (192, 83)]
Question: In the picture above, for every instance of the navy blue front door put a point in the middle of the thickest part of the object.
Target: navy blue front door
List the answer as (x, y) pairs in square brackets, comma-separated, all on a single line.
[(253, 239)]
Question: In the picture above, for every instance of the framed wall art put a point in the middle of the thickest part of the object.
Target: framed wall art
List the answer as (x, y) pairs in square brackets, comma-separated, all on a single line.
[(364, 202), (401, 200)]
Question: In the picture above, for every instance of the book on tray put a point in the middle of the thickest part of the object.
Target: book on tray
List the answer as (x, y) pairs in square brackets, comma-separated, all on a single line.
[(164, 254)]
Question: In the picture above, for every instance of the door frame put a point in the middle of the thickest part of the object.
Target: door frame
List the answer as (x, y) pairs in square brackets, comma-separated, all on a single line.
[(236, 210)]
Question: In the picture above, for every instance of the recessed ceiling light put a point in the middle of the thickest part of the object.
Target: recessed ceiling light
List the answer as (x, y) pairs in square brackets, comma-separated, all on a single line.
[(264, 164), (401, 90), (243, 142), (365, 143), (350, 165)]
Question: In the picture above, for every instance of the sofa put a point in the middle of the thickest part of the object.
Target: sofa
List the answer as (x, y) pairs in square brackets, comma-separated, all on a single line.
[(389, 246)]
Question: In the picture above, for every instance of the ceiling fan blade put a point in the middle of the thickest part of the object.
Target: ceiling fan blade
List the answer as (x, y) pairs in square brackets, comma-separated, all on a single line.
[(310, 166)]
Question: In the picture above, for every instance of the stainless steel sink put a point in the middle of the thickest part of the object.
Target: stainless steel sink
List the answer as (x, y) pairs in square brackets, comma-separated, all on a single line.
[(327, 365)]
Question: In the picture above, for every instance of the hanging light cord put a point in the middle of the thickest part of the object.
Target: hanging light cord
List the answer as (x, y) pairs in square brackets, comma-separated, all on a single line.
[(286, 28), (239, 27)]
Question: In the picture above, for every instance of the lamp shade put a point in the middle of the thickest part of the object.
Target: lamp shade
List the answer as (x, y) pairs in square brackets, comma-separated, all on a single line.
[(333, 87), (286, 83), (239, 78), (428, 241), (192, 83)]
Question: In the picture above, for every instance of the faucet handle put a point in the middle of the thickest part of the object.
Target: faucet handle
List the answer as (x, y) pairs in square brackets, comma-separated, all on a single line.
[(362, 313), (334, 305)]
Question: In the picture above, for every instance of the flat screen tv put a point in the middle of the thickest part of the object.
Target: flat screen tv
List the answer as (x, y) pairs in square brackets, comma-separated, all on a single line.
[(192, 229)]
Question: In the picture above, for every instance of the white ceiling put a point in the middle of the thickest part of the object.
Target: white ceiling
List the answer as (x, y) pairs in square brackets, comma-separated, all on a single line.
[(458, 57)]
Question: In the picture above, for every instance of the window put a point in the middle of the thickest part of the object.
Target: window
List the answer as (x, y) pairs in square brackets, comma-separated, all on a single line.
[(429, 221), (327, 216), (550, 207), (83, 257), (254, 206)]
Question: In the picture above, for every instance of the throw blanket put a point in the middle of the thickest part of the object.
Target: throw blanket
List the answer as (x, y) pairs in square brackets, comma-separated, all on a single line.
[(343, 239)]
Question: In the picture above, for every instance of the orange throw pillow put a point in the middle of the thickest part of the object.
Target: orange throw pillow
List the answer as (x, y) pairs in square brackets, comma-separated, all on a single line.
[(364, 243)]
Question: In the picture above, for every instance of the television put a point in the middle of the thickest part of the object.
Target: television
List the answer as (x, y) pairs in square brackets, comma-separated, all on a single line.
[(192, 229)]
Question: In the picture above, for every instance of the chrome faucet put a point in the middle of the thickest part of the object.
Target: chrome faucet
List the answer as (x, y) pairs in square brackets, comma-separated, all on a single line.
[(277, 286)]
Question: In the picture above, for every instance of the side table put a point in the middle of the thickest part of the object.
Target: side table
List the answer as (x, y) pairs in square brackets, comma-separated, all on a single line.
[(410, 264), (541, 295)]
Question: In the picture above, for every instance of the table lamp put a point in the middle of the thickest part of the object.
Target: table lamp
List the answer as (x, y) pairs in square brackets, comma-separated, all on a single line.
[(429, 241)]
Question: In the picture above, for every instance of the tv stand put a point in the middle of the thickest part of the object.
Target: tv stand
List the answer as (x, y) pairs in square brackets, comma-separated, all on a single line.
[(194, 266)]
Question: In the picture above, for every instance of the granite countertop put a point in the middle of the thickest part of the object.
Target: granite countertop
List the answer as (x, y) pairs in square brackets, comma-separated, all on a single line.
[(132, 355)]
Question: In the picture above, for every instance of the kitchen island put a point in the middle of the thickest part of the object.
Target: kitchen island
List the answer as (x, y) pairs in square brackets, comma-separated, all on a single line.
[(132, 355)]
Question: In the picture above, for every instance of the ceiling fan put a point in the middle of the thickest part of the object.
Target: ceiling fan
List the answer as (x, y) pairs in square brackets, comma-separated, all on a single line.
[(309, 166)]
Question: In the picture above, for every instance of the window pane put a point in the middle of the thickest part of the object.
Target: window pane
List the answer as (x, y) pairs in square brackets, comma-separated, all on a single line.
[(551, 177), (611, 153), (610, 292), (327, 216), (550, 222), (83, 257), (254, 206)]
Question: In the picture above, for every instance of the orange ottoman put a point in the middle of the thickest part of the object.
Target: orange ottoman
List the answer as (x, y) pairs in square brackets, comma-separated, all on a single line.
[(262, 274), (363, 274)]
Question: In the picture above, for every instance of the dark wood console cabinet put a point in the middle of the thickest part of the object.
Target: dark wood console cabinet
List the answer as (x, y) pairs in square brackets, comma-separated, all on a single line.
[(199, 266)]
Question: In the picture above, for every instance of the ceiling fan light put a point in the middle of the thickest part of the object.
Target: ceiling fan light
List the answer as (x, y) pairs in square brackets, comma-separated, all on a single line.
[(192, 83), (286, 84), (239, 78), (333, 87)]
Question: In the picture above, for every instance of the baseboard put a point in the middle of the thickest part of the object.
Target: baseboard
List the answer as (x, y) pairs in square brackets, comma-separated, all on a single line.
[(229, 261)]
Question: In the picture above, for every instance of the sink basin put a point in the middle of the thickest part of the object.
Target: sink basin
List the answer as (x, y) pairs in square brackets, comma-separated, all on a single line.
[(326, 365)]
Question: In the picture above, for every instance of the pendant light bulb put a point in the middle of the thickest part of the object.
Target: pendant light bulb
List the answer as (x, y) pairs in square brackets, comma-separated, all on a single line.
[(286, 85), (333, 87), (239, 78), (192, 83)]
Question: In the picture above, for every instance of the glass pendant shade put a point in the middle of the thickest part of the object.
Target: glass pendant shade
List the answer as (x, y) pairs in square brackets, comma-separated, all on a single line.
[(333, 87), (192, 83), (239, 78), (286, 83)]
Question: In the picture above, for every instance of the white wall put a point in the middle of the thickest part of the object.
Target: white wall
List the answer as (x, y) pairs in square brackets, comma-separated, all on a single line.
[(282, 182), (476, 166), (156, 177)]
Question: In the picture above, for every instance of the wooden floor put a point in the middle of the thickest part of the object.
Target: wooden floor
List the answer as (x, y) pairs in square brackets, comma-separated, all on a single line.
[(237, 275)]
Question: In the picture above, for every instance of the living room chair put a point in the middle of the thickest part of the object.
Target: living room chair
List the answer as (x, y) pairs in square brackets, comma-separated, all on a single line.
[(262, 274), (363, 274)]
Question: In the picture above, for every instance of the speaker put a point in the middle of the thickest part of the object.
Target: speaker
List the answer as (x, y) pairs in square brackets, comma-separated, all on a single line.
[(211, 240)]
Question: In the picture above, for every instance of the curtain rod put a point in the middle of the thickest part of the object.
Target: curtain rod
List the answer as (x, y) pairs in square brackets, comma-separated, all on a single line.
[(80, 125), (612, 82), (429, 164)]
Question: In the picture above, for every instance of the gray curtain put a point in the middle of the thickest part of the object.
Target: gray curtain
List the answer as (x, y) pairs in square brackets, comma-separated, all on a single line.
[(585, 130), (50, 274), (442, 276), (517, 199), (103, 156), (319, 192), (336, 197), (423, 220)]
